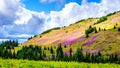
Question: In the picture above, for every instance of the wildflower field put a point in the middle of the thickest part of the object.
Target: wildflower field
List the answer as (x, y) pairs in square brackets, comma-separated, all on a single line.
[(13, 63)]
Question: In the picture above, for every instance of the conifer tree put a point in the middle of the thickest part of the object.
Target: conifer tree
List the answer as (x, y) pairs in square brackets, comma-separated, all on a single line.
[(70, 57), (59, 54), (79, 55)]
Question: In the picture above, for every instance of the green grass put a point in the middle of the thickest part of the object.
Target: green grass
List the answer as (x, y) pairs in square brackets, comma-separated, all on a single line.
[(10, 63)]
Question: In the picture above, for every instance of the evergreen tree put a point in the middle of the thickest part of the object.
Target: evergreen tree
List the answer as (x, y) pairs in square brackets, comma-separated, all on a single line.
[(87, 57), (44, 54), (51, 50), (14, 55), (65, 46), (104, 29), (59, 54), (66, 58), (48, 48), (89, 30), (114, 27), (79, 55), (99, 29), (119, 29), (95, 30), (70, 57)]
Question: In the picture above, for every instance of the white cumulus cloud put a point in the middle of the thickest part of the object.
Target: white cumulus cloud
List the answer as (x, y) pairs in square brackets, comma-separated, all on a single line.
[(73, 12)]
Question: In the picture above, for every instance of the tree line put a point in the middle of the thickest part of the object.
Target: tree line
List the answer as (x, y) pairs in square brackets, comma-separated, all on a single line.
[(38, 53)]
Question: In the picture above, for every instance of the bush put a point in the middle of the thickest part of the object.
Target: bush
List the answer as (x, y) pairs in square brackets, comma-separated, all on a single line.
[(29, 38), (88, 31), (80, 20), (50, 30), (119, 29), (102, 19), (111, 14), (114, 27)]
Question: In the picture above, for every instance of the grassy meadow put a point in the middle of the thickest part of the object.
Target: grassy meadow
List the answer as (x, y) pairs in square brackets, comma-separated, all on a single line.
[(13, 63)]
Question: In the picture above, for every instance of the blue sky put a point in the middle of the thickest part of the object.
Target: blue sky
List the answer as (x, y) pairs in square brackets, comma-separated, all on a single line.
[(37, 5), (21, 19)]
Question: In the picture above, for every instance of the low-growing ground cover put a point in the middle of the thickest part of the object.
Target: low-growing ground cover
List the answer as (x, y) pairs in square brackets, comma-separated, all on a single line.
[(13, 63)]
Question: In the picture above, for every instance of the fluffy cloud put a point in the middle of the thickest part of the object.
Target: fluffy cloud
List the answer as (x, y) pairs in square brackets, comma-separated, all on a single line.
[(73, 12), (18, 22)]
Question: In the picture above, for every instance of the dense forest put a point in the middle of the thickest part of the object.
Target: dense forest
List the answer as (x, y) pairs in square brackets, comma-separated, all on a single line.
[(38, 53)]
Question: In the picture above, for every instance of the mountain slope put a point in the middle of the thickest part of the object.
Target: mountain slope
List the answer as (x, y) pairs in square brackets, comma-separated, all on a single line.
[(73, 32), (106, 40), (63, 34)]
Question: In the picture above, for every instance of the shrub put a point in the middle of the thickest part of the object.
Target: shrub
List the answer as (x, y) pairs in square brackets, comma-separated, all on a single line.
[(47, 31), (102, 19), (114, 27), (29, 38), (104, 29), (95, 30), (40, 36), (119, 29), (88, 31), (111, 14), (99, 29), (80, 20)]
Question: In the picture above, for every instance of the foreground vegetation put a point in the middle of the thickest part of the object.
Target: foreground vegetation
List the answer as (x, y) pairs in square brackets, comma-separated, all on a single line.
[(38, 53), (12, 63)]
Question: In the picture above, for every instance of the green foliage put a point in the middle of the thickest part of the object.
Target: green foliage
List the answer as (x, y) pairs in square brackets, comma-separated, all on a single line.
[(79, 55), (104, 29), (90, 30), (37, 53), (95, 29), (70, 51), (80, 21), (50, 30), (102, 19), (29, 38), (111, 14), (30, 53), (9, 44), (59, 53), (99, 29), (51, 50), (32, 37), (114, 27), (12, 63), (119, 29)]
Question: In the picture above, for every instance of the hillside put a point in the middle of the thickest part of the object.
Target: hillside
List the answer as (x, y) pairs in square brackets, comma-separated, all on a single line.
[(105, 40)]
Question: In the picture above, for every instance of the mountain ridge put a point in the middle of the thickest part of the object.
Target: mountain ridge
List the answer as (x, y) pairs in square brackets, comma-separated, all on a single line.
[(76, 29)]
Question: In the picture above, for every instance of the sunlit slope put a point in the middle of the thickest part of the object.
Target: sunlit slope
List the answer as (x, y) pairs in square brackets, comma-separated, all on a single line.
[(107, 42), (72, 34)]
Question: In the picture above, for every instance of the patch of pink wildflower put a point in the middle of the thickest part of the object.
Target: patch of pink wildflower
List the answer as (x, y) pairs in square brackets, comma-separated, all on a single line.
[(67, 53), (69, 42), (99, 47), (91, 51), (115, 20), (89, 43), (41, 40), (94, 36), (56, 41), (117, 15)]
